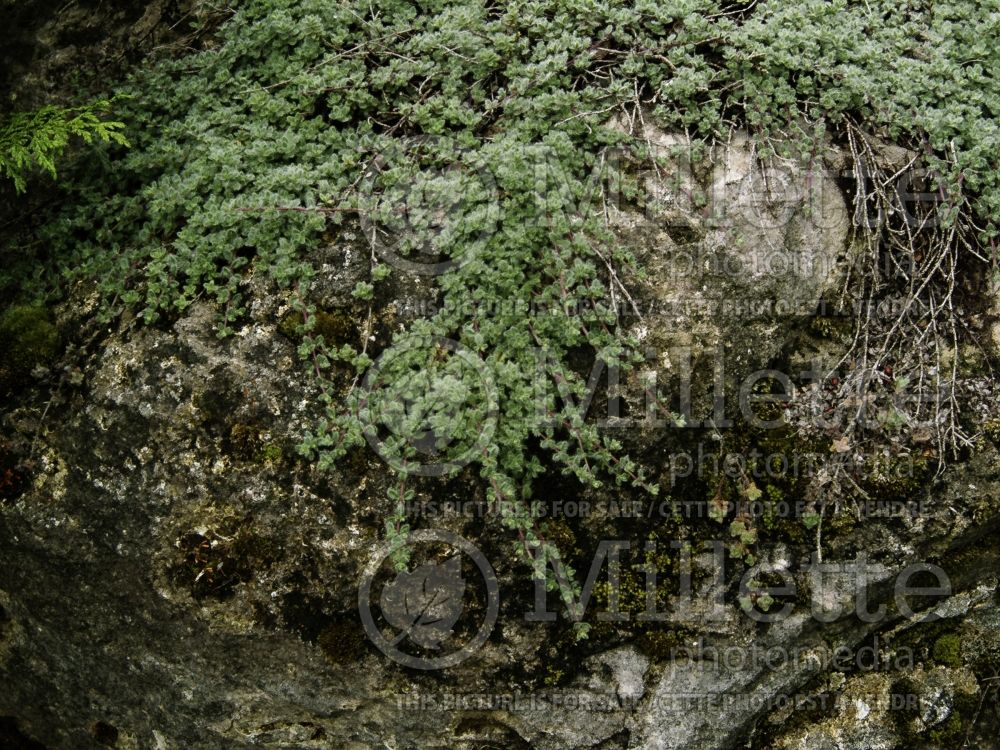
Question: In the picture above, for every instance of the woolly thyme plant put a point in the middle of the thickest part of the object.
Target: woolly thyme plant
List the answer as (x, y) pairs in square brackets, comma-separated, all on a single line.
[(308, 113)]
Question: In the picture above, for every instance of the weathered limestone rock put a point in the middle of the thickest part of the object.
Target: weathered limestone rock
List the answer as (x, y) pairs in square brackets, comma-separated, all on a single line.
[(736, 249)]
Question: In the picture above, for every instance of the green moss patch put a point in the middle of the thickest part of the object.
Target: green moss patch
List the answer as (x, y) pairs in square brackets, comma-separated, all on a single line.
[(28, 339)]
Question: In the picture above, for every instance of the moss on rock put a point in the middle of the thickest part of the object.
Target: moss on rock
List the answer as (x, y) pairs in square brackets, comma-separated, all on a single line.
[(947, 650), (336, 326), (28, 339), (343, 642)]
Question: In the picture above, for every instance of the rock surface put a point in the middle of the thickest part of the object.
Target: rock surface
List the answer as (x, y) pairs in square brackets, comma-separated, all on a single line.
[(736, 251), (55, 50)]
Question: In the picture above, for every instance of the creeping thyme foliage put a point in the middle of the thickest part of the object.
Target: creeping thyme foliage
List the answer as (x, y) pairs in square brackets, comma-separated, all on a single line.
[(310, 115)]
